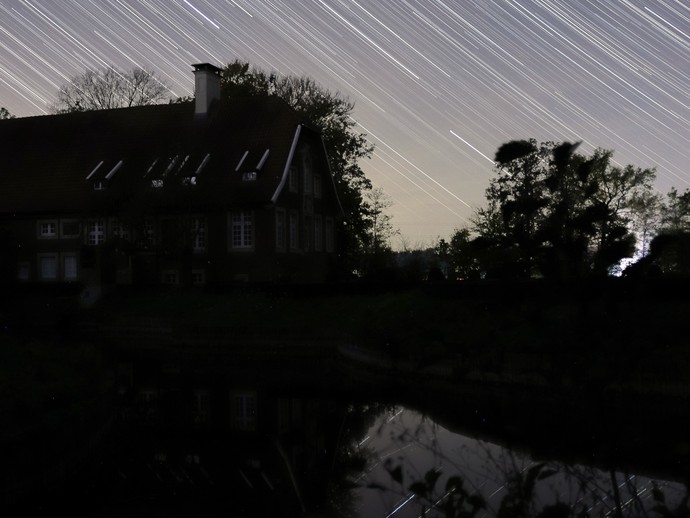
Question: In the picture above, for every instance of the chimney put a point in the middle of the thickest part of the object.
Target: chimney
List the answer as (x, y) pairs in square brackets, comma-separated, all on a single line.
[(206, 87)]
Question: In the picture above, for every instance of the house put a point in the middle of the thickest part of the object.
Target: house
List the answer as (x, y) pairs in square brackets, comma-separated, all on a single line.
[(210, 191)]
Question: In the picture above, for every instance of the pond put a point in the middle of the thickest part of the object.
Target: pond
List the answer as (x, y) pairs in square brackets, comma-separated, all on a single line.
[(418, 468), (246, 437)]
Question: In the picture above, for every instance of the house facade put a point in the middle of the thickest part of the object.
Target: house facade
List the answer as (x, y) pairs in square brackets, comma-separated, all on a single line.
[(210, 191)]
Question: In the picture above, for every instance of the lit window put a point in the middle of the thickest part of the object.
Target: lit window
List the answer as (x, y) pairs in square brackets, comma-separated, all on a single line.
[(95, 232), (330, 235), (249, 176), (48, 267), (280, 229), (157, 183), (242, 230), (69, 267), (243, 408), (198, 235), (47, 229), (294, 231), (318, 233)]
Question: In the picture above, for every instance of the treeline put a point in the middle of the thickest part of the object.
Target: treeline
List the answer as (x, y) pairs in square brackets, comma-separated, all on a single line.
[(554, 213)]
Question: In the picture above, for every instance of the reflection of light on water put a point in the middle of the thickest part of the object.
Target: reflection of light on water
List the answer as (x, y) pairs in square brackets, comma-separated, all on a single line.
[(417, 445)]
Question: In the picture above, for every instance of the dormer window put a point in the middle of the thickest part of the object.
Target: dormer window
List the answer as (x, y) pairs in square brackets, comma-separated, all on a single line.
[(239, 164)]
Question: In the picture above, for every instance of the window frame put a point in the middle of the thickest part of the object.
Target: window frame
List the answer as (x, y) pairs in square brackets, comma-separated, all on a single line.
[(56, 267), (281, 225), (242, 230), (198, 234), (40, 230), (93, 236), (66, 235), (293, 179), (330, 235), (318, 233), (293, 231), (63, 261), (244, 410)]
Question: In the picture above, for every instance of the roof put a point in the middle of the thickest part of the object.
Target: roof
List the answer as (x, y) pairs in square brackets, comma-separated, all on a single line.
[(95, 161)]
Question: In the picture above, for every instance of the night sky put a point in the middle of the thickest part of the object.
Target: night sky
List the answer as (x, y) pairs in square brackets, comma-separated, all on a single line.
[(438, 85)]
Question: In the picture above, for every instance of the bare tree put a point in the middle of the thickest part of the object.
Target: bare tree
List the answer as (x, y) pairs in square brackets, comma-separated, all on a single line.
[(5, 114), (110, 88)]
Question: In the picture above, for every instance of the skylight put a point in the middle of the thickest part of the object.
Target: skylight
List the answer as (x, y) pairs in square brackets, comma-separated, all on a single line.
[(264, 157), (202, 164), (95, 169), (239, 164), (153, 164), (113, 170)]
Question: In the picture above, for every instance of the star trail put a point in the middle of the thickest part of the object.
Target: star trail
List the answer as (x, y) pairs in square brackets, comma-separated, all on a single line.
[(438, 84)]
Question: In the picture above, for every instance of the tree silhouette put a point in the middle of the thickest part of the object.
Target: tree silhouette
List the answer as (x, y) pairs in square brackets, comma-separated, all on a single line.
[(552, 212), (109, 88)]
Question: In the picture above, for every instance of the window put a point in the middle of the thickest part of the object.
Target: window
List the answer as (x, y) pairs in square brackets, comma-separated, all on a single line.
[(95, 232), (119, 230), (294, 231), (330, 235), (149, 232), (308, 229), (243, 409), (198, 277), (69, 267), (48, 267), (99, 185), (280, 229), (202, 407), (70, 229), (249, 176), (293, 177), (307, 173), (318, 233), (23, 271), (198, 235), (317, 186), (242, 230), (47, 229), (170, 277)]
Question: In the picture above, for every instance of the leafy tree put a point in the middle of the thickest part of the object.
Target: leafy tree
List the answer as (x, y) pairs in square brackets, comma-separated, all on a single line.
[(331, 114), (675, 213), (460, 255), (555, 213), (5, 114), (645, 213), (109, 88)]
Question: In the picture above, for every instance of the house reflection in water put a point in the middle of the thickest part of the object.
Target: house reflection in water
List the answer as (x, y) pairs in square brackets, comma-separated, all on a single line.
[(220, 440)]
